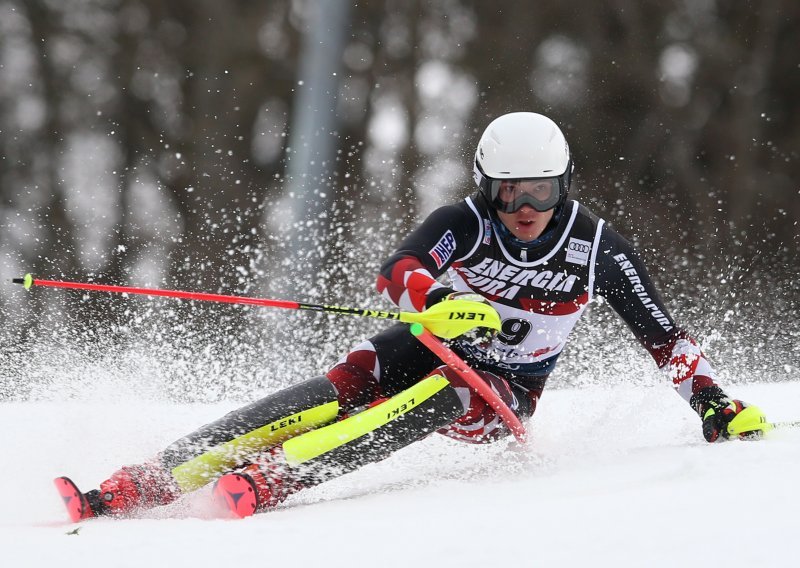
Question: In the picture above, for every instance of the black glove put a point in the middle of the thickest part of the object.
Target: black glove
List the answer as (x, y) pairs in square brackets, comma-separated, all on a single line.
[(725, 417)]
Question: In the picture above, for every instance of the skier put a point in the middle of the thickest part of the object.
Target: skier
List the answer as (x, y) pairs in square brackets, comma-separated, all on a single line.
[(517, 244)]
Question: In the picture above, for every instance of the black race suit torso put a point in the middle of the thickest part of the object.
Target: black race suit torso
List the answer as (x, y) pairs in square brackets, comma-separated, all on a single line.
[(540, 289)]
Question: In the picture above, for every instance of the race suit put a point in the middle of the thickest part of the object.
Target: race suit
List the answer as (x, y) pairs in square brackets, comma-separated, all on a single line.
[(539, 289)]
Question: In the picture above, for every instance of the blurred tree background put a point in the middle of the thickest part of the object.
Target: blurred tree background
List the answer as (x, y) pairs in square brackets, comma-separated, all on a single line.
[(283, 147)]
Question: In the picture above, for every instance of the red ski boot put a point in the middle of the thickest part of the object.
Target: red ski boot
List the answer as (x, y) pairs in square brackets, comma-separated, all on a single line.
[(255, 488), (79, 505), (129, 489)]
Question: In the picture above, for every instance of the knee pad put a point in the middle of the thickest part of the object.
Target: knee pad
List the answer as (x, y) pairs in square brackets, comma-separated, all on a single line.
[(355, 386)]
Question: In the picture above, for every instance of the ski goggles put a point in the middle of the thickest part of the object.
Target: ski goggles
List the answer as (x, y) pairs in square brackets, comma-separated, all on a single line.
[(509, 195)]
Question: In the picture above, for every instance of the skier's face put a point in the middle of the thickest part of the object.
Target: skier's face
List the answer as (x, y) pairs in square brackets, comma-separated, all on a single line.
[(526, 223)]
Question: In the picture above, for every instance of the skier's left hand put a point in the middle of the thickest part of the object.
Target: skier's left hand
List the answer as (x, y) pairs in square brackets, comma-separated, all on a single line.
[(725, 418)]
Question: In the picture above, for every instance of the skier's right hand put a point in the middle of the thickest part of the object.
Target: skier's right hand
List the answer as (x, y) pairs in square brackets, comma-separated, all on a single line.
[(469, 296), (480, 336)]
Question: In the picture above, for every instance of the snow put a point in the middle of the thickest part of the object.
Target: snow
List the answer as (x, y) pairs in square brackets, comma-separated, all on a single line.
[(611, 477)]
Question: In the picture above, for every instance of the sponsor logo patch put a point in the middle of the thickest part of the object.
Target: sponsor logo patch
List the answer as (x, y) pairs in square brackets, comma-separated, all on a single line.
[(638, 288), (444, 249), (487, 232), (578, 251)]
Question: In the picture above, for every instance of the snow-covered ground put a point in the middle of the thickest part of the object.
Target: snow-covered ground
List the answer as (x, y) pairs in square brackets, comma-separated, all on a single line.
[(612, 477)]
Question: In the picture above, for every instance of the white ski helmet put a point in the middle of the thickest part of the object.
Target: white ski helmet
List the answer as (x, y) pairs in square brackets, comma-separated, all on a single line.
[(523, 159)]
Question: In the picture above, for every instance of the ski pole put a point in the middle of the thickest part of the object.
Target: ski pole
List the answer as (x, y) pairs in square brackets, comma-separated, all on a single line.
[(787, 424), (472, 379), (447, 319)]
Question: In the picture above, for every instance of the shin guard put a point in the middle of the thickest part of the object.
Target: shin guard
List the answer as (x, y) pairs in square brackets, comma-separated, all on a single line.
[(374, 434), (239, 436)]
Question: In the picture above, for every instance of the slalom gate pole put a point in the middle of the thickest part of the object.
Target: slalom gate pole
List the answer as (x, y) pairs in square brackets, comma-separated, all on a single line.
[(472, 379)]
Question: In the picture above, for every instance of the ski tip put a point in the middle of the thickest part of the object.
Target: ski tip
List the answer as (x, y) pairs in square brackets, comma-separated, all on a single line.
[(235, 495), (76, 504)]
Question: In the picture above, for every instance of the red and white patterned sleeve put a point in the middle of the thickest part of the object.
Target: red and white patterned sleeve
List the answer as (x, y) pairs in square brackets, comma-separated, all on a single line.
[(408, 278), (681, 358), (409, 284)]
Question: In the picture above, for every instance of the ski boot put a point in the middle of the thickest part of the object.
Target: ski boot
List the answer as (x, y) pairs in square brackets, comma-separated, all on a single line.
[(80, 506), (255, 488), (127, 490)]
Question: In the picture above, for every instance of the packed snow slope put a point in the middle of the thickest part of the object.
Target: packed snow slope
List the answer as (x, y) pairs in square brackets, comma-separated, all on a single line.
[(614, 476)]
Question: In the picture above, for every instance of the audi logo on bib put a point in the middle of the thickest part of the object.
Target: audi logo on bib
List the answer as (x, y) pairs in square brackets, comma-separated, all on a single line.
[(579, 247), (578, 251)]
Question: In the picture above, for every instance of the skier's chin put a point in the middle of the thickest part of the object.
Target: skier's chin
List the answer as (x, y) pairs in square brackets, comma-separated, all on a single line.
[(526, 224), (527, 230)]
